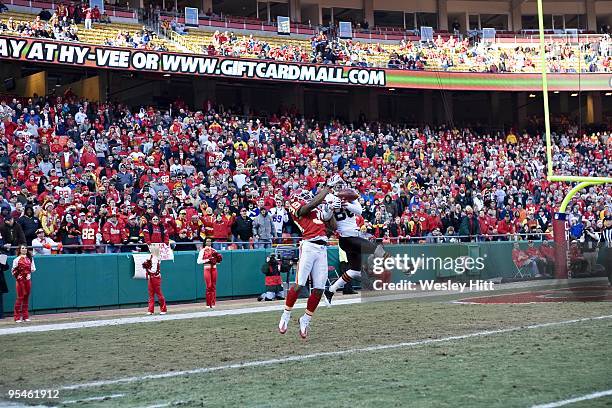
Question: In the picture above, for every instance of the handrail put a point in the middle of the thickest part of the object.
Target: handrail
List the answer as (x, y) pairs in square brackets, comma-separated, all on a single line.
[(280, 241)]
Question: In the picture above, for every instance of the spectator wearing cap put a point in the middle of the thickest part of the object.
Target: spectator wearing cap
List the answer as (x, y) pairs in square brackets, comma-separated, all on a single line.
[(263, 229), (112, 234), (11, 234), (242, 229), (505, 227), (183, 242), (42, 245), (48, 219), (133, 235)]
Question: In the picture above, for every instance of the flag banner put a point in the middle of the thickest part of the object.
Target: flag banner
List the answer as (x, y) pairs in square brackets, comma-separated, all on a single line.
[(139, 271), (283, 25), (191, 17), (165, 252)]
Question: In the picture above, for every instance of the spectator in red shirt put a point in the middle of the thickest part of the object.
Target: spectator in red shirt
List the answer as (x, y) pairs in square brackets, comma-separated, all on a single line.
[(112, 234)]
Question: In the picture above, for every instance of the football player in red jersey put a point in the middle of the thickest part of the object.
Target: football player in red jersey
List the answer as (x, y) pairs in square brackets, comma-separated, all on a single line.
[(313, 252)]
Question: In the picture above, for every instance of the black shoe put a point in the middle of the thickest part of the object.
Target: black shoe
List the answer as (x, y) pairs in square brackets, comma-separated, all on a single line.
[(328, 297), (350, 292), (280, 298), (259, 299)]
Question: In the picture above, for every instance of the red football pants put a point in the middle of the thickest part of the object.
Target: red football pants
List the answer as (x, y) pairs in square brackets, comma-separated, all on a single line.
[(155, 289), (23, 288), (210, 277)]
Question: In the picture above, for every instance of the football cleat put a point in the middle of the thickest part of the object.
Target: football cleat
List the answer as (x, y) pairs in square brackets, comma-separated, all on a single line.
[(284, 322), (327, 296), (304, 324)]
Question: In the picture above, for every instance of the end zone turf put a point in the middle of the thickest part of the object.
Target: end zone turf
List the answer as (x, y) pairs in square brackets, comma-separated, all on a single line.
[(398, 352)]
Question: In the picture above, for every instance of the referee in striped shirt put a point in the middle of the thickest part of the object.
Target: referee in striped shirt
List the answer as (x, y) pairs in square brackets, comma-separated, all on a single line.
[(606, 242)]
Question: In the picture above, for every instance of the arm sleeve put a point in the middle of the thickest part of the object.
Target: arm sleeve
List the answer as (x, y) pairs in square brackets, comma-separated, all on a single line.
[(326, 213), (354, 207), (200, 259), (35, 245)]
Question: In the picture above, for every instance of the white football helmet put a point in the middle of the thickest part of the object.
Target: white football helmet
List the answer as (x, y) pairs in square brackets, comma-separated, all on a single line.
[(334, 180)]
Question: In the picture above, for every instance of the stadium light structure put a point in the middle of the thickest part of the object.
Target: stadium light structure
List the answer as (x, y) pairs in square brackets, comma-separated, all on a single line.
[(560, 217)]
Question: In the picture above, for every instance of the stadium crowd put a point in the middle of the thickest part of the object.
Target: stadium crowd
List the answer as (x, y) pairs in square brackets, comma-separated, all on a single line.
[(63, 25), (444, 54), (451, 53), (104, 177)]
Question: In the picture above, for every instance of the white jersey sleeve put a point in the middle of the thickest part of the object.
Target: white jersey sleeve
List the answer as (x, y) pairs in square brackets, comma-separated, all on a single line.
[(354, 207), (346, 220)]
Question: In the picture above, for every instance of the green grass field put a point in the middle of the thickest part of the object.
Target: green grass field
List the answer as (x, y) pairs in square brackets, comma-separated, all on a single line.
[(509, 369)]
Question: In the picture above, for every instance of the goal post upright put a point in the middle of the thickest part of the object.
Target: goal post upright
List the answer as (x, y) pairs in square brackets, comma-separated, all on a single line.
[(560, 217)]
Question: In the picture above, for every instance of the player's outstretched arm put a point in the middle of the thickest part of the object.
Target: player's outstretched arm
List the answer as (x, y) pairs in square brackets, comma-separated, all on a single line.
[(316, 200), (354, 207)]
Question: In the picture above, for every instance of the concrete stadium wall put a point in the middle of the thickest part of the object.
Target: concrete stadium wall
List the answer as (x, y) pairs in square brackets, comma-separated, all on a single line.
[(89, 281), (72, 282), (32, 84)]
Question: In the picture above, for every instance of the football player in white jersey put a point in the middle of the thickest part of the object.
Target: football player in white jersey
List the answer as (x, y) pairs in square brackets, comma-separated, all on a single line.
[(352, 241)]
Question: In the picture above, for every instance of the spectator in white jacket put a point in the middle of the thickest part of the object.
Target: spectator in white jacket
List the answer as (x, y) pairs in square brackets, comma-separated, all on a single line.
[(42, 245)]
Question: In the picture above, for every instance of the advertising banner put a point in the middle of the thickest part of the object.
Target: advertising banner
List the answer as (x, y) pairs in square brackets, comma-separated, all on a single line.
[(92, 56)]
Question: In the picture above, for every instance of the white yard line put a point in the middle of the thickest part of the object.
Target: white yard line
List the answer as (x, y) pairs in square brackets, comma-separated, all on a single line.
[(100, 398), (166, 404), (24, 328), (573, 400), (260, 363)]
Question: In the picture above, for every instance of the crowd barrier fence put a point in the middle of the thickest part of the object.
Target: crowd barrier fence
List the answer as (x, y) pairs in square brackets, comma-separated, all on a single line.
[(90, 281)]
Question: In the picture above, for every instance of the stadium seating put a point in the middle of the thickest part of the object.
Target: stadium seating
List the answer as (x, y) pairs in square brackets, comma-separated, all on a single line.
[(99, 34), (446, 53)]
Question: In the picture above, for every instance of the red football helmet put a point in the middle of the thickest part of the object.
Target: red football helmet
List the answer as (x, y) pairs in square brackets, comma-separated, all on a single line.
[(302, 195)]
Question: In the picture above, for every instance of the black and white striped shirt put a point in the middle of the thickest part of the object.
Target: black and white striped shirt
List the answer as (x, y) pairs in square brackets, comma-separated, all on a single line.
[(606, 236)]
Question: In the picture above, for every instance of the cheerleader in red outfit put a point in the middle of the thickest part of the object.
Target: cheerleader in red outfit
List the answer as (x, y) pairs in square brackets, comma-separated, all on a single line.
[(153, 268), (210, 258), (23, 266)]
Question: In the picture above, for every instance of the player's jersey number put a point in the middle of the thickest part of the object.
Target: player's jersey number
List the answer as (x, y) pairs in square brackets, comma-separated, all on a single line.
[(88, 233), (342, 214)]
